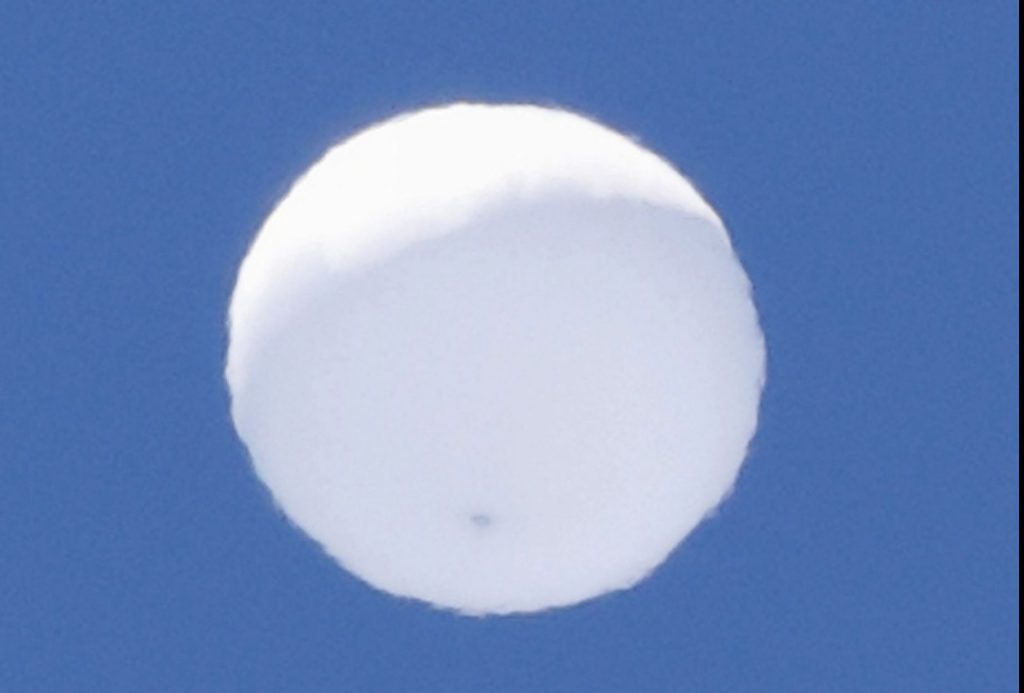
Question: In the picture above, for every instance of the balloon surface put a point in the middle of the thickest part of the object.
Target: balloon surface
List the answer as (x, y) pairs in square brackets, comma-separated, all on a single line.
[(495, 358)]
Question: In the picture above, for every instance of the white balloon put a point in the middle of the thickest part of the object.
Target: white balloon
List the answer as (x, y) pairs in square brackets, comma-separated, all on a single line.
[(496, 358)]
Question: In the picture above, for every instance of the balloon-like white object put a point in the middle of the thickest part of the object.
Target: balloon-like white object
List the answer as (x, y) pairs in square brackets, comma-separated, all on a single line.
[(497, 358)]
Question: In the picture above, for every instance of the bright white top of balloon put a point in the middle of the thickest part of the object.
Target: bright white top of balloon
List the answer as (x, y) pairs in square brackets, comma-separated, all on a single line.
[(426, 172)]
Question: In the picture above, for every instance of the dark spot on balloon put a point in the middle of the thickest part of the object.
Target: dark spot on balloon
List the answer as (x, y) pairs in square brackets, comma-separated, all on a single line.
[(481, 520)]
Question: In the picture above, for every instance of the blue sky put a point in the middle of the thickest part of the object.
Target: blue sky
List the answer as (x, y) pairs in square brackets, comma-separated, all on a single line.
[(865, 158)]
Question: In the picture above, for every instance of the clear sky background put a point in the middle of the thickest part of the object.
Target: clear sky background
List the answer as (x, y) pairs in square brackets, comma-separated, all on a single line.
[(865, 157)]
